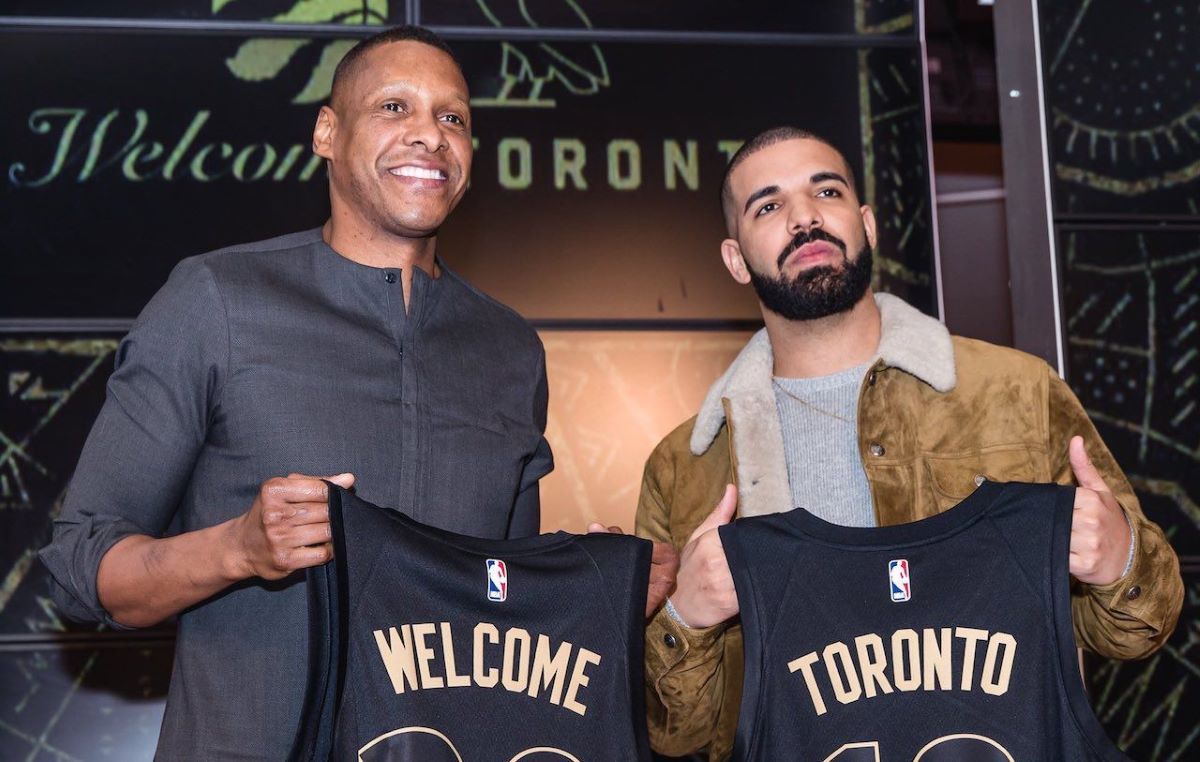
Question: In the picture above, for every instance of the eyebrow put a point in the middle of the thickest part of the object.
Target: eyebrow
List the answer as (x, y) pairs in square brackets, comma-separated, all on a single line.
[(821, 177), (756, 195)]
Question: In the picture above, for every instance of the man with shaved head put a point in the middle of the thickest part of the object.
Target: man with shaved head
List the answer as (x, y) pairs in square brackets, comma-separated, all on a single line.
[(349, 352), (865, 412)]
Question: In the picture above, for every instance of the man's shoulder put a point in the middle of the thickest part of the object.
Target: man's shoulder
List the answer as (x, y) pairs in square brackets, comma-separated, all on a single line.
[(498, 317), (240, 252), (977, 359)]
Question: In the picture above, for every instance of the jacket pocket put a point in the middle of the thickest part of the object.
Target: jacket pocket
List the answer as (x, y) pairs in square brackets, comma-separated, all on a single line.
[(954, 477)]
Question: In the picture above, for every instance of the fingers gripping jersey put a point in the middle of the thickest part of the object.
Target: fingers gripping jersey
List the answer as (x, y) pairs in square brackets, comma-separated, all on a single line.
[(945, 639), (429, 646)]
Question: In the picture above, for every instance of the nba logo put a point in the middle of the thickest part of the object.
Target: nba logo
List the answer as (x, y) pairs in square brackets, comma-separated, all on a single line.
[(898, 576), (497, 580)]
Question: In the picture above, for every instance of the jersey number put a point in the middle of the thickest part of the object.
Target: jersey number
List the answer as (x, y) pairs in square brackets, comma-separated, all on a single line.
[(963, 747)]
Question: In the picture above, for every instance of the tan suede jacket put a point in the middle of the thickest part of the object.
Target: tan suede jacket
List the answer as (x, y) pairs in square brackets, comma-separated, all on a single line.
[(936, 413)]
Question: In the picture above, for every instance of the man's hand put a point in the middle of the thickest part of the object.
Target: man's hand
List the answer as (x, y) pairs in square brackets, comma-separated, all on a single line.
[(1099, 531), (664, 565), (704, 594), (286, 528)]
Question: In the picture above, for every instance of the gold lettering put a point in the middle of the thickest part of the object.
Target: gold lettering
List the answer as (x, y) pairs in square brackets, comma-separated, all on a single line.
[(972, 636), (141, 119), (872, 667), (936, 660), (848, 690), (675, 163), (547, 669), (992, 683), (129, 166), (453, 679), (632, 178), (569, 158), (185, 142), (397, 655), (804, 664), (425, 654), (39, 122), (486, 678), (515, 673), (912, 680), (523, 176), (729, 148), (197, 165), (314, 163), (264, 164), (579, 680)]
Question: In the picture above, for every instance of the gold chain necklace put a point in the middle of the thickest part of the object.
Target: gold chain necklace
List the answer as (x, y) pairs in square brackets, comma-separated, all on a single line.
[(810, 405)]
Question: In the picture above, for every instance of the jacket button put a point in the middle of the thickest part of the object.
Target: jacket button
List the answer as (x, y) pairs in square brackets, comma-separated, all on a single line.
[(1133, 593), (877, 449), (389, 277), (871, 379), (670, 640)]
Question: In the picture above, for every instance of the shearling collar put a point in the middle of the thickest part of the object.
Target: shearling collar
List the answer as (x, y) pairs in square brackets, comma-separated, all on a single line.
[(909, 340)]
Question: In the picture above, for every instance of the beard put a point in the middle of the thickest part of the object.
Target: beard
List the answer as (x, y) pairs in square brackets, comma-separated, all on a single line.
[(818, 291)]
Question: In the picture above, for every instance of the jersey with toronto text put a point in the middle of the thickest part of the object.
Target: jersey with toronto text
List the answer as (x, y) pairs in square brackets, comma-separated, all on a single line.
[(945, 639), (428, 646)]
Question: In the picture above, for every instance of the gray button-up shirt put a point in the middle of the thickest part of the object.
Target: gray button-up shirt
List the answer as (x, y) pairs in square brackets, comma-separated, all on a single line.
[(278, 357)]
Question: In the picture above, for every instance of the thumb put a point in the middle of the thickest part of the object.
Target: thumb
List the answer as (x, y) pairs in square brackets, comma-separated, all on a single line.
[(345, 481), (722, 514), (1086, 474)]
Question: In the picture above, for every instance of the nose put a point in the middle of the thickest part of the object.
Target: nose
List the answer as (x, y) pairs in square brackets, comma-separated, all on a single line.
[(423, 129), (803, 215)]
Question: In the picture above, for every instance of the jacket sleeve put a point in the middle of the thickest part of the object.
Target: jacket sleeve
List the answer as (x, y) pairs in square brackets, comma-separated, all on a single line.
[(1134, 616), (140, 453), (685, 675)]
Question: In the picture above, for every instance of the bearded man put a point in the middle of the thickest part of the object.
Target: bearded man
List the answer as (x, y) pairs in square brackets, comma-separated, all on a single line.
[(866, 412)]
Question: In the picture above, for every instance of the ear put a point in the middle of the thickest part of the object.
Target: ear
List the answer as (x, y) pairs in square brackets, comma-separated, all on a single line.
[(731, 255), (868, 218), (323, 131)]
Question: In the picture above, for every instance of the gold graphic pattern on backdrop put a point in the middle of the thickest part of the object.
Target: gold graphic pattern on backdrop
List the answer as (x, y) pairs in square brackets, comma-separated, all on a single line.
[(526, 69)]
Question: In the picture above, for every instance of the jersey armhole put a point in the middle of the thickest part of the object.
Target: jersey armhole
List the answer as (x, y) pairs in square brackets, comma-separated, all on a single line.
[(1078, 706), (634, 639), (327, 647), (744, 741)]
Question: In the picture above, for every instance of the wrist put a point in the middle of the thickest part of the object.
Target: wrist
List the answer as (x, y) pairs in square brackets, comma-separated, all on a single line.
[(675, 616), (235, 560)]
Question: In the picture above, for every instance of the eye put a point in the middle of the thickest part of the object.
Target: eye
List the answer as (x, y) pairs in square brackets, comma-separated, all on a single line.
[(766, 208), (454, 119), (393, 106), (829, 193)]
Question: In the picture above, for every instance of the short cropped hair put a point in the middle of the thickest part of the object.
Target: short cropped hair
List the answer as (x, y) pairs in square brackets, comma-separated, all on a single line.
[(762, 140), (405, 33)]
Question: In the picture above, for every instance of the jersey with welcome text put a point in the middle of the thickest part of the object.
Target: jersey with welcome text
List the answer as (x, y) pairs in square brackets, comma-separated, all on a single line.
[(945, 639), (428, 646)]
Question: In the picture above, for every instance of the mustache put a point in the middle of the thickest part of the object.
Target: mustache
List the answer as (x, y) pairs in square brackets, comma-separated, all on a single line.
[(801, 238)]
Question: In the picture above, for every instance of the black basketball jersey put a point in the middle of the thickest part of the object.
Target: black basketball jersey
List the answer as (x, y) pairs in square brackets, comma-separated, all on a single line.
[(428, 646), (945, 639)]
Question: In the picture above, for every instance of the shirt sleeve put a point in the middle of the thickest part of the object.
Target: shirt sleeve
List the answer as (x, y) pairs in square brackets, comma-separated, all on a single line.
[(1133, 616), (139, 456), (527, 508)]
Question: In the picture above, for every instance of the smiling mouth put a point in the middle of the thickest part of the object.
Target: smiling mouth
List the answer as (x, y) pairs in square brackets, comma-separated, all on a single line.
[(420, 173)]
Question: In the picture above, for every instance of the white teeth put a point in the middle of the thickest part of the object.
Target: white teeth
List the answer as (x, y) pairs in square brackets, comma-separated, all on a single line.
[(419, 172)]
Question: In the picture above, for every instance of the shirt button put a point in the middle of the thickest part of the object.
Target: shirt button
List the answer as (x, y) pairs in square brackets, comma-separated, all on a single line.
[(1133, 593), (871, 379), (980, 479), (390, 277), (670, 640), (877, 449)]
